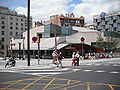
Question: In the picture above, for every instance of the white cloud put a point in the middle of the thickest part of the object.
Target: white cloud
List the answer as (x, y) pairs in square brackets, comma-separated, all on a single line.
[(43, 9), (88, 8)]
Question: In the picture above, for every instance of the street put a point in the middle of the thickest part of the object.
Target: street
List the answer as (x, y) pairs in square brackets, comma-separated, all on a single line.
[(90, 75)]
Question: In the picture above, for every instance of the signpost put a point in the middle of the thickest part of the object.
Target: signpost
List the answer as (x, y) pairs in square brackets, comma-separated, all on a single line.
[(37, 39), (34, 39)]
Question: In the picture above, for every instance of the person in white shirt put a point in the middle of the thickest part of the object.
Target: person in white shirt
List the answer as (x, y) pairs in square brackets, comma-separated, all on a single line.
[(77, 55), (55, 57)]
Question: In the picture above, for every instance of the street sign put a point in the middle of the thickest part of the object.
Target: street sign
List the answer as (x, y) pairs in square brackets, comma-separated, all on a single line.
[(34, 39), (82, 39)]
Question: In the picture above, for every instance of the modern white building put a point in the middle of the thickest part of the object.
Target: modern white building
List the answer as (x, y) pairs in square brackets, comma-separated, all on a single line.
[(64, 43)]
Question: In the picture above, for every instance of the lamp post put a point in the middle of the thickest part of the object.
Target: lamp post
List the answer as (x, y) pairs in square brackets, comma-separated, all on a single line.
[(28, 33), (11, 46), (23, 49), (19, 50)]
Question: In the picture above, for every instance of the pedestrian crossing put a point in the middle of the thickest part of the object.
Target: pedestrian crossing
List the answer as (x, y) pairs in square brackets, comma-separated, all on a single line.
[(50, 70), (40, 71), (102, 64)]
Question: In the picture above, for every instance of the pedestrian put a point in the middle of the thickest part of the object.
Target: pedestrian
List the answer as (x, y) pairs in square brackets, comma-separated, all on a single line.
[(73, 59), (60, 57), (55, 58), (7, 61), (77, 55)]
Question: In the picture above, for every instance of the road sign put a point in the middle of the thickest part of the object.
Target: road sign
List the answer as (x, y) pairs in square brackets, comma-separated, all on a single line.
[(34, 39), (82, 39)]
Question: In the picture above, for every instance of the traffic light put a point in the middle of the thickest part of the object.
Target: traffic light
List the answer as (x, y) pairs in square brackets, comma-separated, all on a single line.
[(39, 36)]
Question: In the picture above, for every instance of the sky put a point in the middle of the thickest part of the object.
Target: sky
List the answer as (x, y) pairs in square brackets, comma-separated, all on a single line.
[(43, 9)]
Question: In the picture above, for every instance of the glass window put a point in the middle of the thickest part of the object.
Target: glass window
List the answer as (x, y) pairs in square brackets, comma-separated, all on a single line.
[(21, 19), (16, 19), (16, 24), (16, 28), (11, 33), (2, 33), (21, 28), (2, 39), (16, 33), (11, 27), (2, 17), (2, 27), (11, 18), (2, 22), (21, 24), (11, 23)]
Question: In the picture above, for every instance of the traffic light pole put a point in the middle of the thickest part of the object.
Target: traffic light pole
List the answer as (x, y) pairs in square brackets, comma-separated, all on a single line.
[(38, 51)]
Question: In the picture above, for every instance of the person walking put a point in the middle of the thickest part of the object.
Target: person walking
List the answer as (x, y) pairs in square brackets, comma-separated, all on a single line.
[(73, 59), (77, 55), (60, 57), (55, 58), (7, 61)]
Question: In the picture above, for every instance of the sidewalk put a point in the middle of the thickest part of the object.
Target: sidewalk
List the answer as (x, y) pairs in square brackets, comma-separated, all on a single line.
[(47, 63)]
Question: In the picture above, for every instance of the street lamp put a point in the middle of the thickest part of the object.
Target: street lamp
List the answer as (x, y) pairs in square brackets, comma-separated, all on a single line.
[(23, 49), (19, 50), (11, 44), (28, 33)]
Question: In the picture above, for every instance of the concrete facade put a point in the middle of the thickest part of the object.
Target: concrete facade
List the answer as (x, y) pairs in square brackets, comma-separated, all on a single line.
[(107, 22), (11, 25)]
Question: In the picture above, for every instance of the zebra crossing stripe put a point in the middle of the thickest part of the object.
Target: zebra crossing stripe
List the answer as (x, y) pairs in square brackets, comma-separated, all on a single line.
[(114, 72)]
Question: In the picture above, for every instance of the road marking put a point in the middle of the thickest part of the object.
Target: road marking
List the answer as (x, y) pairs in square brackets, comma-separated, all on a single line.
[(97, 64), (114, 72), (45, 73), (116, 65), (100, 71), (88, 64), (45, 70), (32, 83), (87, 70), (48, 83), (76, 69)]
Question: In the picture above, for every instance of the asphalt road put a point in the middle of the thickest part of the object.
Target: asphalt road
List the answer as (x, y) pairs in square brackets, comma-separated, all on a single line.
[(89, 76)]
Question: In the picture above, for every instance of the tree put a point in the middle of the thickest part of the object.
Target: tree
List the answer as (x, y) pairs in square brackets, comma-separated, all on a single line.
[(109, 44)]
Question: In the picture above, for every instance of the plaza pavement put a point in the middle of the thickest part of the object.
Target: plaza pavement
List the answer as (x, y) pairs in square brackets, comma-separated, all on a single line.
[(47, 63)]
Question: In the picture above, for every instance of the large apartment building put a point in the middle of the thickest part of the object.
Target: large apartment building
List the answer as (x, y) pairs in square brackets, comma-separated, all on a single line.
[(11, 24), (68, 20), (107, 22)]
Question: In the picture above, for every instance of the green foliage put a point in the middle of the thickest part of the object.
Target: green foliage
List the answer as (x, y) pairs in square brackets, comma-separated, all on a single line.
[(109, 43)]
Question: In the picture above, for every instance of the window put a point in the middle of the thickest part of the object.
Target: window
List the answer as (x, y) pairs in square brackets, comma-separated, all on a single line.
[(2, 27), (21, 19), (11, 33), (16, 19), (16, 24), (25, 28), (11, 18), (11, 27), (16, 33), (16, 28), (2, 39), (11, 23), (2, 33), (3, 17), (21, 24), (21, 28), (2, 22)]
